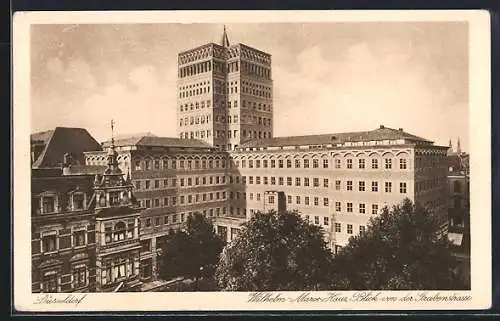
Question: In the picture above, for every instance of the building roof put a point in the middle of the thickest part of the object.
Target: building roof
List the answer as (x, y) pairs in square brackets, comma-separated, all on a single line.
[(155, 141), (381, 133), (62, 186), (85, 170), (60, 141), (142, 134), (41, 137)]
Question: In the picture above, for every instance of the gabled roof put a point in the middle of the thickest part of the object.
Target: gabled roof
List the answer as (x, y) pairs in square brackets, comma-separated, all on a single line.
[(158, 142), (63, 140), (382, 133)]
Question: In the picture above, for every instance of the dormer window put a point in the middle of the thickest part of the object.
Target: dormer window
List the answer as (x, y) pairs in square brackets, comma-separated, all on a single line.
[(114, 198)]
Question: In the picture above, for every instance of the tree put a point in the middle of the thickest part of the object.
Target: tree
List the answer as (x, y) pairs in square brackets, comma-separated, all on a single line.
[(275, 252), (192, 252), (401, 249)]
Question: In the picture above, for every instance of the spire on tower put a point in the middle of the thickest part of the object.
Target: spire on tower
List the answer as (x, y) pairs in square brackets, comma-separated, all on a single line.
[(112, 133), (225, 39), (459, 149), (112, 154), (450, 148)]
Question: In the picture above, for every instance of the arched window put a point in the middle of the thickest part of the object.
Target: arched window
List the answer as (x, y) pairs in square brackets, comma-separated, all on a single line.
[(137, 164), (147, 164), (456, 187)]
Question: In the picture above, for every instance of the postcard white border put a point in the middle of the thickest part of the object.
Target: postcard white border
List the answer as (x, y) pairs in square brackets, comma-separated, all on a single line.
[(480, 165)]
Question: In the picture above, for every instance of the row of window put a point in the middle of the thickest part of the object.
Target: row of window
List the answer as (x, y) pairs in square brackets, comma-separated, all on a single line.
[(50, 242), (234, 134), (49, 203), (316, 220), (233, 119), (361, 186), (223, 104), (306, 182), (219, 67), (174, 218), (119, 232), (194, 92), (179, 182), (159, 164), (265, 180), (256, 106), (196, 134), (198, 68), (196, 105), (195, 120), (349, 206), (257, 70), (223, 134), (118, 270), (183, 199), (305, 163), (199, 84), (51, 280), (256, 92), (348, 228), (297, 163)]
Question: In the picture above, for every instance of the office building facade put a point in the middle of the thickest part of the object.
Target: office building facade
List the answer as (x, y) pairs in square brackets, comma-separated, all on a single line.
[(225, 94)]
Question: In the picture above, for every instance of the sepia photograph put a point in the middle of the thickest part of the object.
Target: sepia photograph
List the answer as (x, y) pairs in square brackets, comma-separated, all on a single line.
[(319, 164)]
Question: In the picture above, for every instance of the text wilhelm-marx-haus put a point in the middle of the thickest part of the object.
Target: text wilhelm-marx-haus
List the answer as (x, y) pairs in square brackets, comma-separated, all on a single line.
[(100, 212)]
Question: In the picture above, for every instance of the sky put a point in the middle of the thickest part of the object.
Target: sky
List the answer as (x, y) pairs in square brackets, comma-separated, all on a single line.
[(328, 77)]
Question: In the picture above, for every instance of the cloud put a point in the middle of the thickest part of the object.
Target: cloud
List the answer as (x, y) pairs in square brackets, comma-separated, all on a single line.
[(325, 79), (146, 106), (76, 73), (363, 88)]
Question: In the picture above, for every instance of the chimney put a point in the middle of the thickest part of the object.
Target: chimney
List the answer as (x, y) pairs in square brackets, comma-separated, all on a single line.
[(66, 164), (400, 129), (382, 126)]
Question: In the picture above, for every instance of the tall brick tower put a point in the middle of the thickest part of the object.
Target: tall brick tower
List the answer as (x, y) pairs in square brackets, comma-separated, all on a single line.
[(225, 94)]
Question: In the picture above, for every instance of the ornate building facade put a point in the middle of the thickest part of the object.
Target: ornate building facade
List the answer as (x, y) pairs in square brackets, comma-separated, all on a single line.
[(85, 224)]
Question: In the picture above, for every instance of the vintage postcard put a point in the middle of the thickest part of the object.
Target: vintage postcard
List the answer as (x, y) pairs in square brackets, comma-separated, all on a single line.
[(260, 160)]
